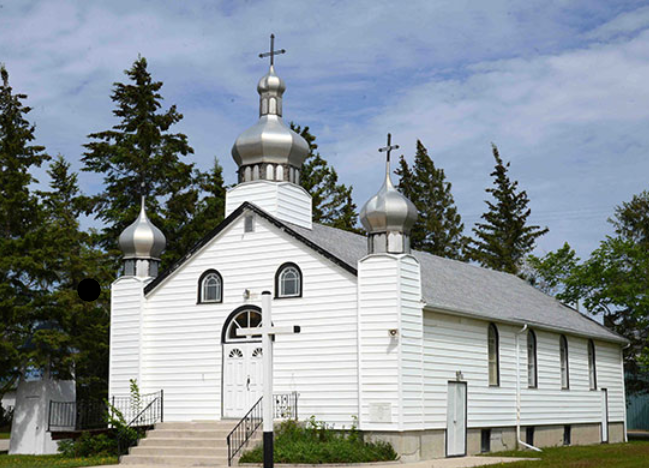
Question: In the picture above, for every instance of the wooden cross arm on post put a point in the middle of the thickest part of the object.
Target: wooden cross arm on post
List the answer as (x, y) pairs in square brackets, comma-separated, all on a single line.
[(274, 330)]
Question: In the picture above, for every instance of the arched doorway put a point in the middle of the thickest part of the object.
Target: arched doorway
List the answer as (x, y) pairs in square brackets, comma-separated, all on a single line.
[(242, 363)]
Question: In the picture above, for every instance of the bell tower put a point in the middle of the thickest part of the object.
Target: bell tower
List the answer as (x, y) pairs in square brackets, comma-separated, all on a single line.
[(270, 157)]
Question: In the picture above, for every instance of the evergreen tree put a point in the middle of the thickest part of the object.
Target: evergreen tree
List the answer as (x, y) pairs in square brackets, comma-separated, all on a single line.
[(439, 227), (76, 335), (332, 202), (504, 239), (20, 215), (211, 208), (141, 150)]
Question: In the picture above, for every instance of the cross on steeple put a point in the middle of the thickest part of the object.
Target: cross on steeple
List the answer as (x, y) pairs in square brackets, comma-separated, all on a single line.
[(388, 148), (272, 52)]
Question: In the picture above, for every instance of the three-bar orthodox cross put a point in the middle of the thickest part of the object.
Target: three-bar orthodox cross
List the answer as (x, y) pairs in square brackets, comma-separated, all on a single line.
[(272, 52)]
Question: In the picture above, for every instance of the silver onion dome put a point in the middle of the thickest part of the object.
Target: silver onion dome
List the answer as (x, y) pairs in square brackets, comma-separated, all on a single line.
[(269, 149), (388, 210), (142, 239)]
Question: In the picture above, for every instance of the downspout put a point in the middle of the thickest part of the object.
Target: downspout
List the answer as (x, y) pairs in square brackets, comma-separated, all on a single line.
[(626, 435), (518, 394)]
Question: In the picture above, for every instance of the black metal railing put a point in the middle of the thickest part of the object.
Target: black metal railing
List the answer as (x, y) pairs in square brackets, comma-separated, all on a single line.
[(83, 415), (285, 407), (77, 416), (144, 419)]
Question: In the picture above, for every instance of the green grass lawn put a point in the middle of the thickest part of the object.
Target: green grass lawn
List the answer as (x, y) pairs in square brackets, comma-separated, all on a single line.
[(631, 455), (52, 461), (5, 435)]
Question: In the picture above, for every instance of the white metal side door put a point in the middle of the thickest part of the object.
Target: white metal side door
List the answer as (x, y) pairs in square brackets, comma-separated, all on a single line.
[(456, 420), (604, 415)]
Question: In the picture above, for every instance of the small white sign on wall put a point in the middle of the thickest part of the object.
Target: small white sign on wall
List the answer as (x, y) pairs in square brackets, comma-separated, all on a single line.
[(381, 412)]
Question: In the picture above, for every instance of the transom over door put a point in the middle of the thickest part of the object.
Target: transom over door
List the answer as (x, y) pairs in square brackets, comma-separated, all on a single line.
[(242, 365), (456, 419)]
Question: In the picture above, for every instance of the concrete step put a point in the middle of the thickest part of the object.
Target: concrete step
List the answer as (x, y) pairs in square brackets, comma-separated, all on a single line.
[(201, 425), (221, 452), (160, 442), (188, 434), (173, 460)]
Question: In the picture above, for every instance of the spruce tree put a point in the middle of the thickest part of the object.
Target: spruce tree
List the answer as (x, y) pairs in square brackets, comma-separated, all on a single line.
[(439, 228), (504, 240), (332, 202), (210, 209), (20, 216), (140, 150), (77, 332)]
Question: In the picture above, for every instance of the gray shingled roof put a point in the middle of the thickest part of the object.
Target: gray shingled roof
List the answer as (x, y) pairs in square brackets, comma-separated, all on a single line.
[(469, 289)]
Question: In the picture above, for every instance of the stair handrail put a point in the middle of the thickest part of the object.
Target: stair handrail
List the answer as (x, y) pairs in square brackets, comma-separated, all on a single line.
[(252, 421), (254, 417), (158, 413)]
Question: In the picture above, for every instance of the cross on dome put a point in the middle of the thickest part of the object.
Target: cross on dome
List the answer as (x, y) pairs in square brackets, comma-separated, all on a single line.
[(272, 53), (389, 147)]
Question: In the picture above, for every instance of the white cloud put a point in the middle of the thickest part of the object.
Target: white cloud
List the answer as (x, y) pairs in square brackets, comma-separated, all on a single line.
[(559, 86)]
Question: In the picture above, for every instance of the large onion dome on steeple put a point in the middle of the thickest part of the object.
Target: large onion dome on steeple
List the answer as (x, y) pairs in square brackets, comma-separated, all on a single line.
[(142, 241), (270, 150), (388, 217)]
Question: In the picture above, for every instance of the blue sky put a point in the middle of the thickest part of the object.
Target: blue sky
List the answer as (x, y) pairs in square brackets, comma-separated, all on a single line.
[(561, 87)]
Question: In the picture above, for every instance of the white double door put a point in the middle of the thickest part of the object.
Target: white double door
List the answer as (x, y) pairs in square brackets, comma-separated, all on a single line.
[(456, 418), (242, 378)]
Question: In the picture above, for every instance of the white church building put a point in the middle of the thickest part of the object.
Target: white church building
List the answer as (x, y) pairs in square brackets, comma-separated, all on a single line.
[(440, 357)]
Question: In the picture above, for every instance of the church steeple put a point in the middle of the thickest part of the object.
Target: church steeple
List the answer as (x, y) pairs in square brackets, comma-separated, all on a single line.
[(270, 157), (388, 216), (142, 243), (270, 150)]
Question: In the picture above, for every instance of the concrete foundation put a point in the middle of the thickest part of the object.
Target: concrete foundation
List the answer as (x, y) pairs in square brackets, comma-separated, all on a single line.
[(414, 445), (429, 444)]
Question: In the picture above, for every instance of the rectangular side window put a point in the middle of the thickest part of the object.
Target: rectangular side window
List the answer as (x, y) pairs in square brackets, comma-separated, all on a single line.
[(566, 435), (529, 435), (485, 445)]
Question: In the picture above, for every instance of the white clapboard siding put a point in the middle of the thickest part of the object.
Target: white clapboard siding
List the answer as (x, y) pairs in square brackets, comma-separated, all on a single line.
[(379, 371), (125, 343), (454, 344), (182, 344), (411, 340), (284, 200)]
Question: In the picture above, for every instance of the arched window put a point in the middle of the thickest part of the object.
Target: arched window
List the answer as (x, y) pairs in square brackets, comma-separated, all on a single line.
[(288, 281), (532, 371), (494, 358), (244, 317), (565, 369), (592, 365), (210, 287)]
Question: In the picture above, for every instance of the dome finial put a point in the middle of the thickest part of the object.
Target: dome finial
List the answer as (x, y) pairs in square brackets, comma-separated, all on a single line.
[(272, 52), (388, 216), (388, 149)]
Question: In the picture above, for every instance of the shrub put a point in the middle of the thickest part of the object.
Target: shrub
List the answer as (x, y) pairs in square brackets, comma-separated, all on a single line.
[(101, 445), (318, 443)]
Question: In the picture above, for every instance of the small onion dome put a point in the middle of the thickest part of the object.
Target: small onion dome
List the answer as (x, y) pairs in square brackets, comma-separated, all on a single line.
[(388, 210), (270, 140), (270, 82), (142, 239)]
